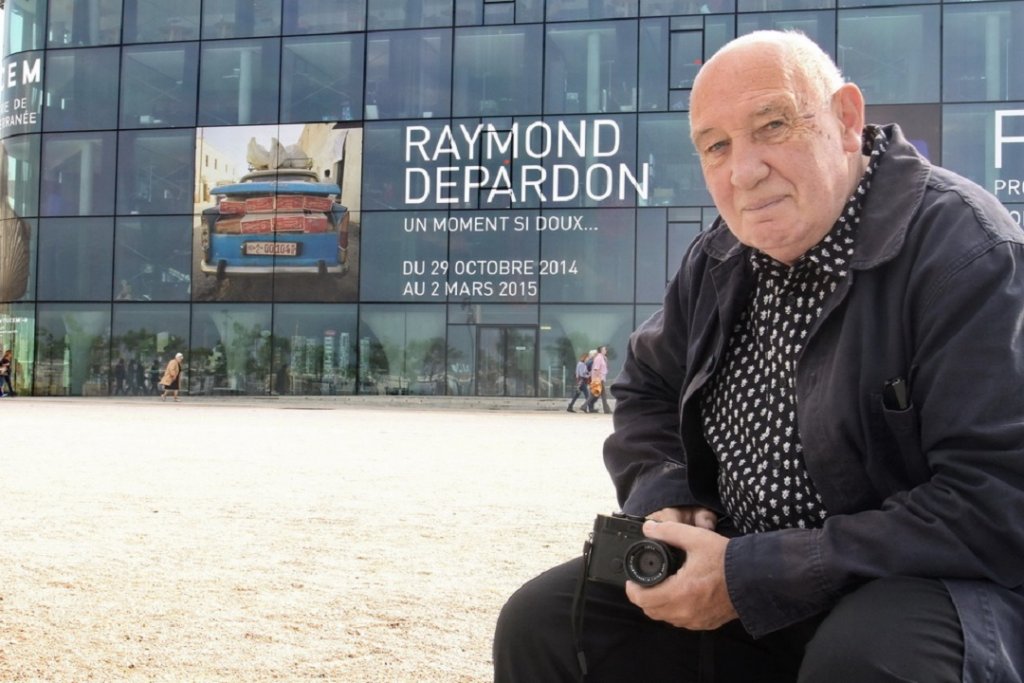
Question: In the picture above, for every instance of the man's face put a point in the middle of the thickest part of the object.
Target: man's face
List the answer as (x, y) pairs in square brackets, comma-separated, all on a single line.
[(778, 161)]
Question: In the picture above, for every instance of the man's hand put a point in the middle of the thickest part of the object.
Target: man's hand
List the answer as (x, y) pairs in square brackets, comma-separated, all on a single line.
[(696, 596)]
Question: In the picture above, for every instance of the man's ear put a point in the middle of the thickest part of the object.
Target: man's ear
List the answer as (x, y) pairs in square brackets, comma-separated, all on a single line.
[(848, 105)]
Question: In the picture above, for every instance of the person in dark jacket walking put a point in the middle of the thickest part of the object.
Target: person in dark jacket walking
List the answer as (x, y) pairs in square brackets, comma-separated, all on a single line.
[(825, 415), (6, 368)]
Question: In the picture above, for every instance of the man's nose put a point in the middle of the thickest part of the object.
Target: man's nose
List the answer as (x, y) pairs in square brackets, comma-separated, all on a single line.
[(748, 166)]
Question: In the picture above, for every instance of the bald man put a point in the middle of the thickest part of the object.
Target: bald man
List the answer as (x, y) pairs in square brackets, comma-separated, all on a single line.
[(825, 415)]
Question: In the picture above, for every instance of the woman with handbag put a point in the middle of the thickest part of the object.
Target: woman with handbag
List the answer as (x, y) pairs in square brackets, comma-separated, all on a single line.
[(598, 377)]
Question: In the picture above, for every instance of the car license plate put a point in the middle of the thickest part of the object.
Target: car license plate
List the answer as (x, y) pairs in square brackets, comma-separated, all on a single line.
[(270, 248)]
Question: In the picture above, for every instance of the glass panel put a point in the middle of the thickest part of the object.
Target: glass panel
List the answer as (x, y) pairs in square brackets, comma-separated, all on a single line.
[(401, 349), (461, 380), (23, 24), (680, 237), (493, 265), (145, 338), (155, 21), (872, 3), (472, 313), (391, 182), (152, 258), (499, 13), (520, 361), (506, 360), (985, 142), (529, 11), (892, 54), (239, 82), (159, 86), (314, 349), (323, 16), (653, 64), (21, 164), (497, 71), (685, 23), (84, 22), (17, 334), (591, 68), (18, 256), (155, 172), (588, 161), (408, 74), (494, 163), (718, 30), (591, 9), (78, 174), (568, 331), (72, 350), (818, 26), (982, 51), (589, 265), (776, 5), (651, 263), (687, 56), (388, 14), (241, 18), (398, 264), (675, 172), (230, 350), (653, 8), (21, 96), (469, 12), (76, 259), (81, 89), (322, 79)]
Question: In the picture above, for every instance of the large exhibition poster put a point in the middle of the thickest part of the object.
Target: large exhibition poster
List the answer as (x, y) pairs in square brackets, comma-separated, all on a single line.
[(277, 213)]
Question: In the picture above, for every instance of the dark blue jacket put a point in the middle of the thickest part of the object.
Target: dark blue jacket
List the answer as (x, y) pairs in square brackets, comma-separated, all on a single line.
[(935, 296)]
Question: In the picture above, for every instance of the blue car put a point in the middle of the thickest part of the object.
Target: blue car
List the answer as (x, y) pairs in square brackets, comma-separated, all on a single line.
[(277, 221)]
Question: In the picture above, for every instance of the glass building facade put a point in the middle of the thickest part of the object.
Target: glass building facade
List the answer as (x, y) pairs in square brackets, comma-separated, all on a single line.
[(509, 183)]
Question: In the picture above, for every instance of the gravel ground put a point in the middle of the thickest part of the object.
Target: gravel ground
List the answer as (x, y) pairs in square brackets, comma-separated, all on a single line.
[(246, 541)]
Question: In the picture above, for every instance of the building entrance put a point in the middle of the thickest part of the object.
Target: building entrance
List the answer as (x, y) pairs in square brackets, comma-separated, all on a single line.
[(506, 360)]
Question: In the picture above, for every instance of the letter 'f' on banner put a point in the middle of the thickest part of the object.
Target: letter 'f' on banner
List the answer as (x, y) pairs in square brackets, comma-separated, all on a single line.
[(1000, 138)]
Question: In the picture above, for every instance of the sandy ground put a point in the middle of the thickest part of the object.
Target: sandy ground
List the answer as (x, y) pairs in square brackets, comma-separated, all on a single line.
[(203, 541)]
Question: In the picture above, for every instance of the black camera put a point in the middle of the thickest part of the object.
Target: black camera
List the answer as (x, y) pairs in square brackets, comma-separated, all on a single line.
[(618, 551)]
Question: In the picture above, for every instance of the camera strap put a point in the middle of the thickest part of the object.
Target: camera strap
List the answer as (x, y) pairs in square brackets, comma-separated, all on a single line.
[(578, 606)]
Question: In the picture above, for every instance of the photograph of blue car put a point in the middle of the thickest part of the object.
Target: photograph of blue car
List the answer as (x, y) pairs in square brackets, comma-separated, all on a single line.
[(276, 221), (275, 217)]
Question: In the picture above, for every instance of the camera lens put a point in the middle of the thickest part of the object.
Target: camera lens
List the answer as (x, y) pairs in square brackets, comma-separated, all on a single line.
[(647, 562)]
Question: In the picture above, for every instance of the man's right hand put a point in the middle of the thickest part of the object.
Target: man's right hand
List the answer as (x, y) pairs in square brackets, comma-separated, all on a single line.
[(692, 514)]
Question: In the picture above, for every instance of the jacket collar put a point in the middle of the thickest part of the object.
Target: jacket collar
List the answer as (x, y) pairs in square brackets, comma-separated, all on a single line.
[(899, 187)]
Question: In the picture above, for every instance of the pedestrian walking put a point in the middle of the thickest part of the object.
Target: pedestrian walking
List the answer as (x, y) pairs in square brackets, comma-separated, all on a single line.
[(582, 381), (172, 377)]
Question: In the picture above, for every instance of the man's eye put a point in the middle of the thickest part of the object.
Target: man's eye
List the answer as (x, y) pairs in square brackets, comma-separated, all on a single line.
[(716, 148), (773, 128)]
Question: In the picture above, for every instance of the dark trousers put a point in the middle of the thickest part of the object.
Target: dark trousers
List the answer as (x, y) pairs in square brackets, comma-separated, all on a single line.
[(897, 629), (582, 389)]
